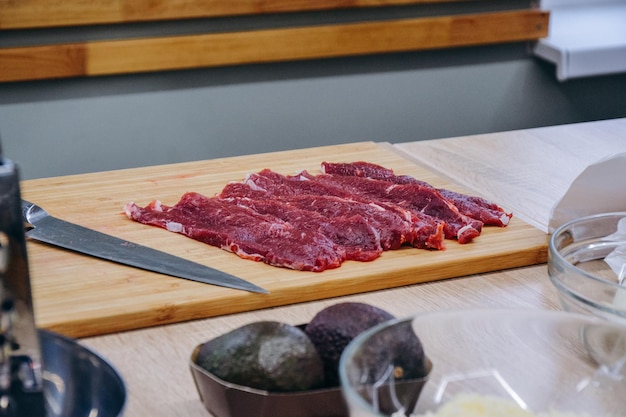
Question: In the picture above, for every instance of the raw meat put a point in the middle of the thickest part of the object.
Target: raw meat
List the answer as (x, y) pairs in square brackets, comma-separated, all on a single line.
[(475, 207), (392, 226), (242, 231), (478, 208), (427, 231), (352, 211), (415, 197), (352, 233)]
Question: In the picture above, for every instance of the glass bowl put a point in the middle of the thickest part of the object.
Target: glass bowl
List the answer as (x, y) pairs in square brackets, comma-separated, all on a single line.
[(587, 265), (540, 361)]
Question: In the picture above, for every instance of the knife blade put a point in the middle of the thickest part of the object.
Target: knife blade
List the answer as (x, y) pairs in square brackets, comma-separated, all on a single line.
[(45, 228)]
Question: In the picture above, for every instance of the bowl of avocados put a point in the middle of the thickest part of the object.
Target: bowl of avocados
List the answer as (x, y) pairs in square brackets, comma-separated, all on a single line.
[(274, 369)]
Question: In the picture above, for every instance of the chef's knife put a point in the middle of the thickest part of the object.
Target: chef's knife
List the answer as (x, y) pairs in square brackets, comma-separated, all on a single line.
[(48, 229)]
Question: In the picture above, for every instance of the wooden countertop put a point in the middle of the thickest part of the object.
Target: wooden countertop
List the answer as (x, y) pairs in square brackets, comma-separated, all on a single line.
[(525, 170), (528, 170)]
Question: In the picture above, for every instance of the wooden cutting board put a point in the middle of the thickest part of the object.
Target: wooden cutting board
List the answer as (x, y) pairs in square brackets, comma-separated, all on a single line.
[(82, 296)]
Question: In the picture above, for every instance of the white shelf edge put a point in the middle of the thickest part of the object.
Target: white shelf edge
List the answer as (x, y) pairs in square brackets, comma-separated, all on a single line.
[(593, 57)]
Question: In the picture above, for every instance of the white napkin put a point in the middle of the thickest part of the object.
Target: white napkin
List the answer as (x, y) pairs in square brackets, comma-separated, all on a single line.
[(617, 258), (617, 262), (600, 188)]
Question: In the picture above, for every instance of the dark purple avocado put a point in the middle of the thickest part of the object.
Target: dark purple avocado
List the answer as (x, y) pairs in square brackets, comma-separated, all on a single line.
[(335, 326)]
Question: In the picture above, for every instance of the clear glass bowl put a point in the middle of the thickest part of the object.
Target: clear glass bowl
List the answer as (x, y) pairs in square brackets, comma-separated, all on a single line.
[(587, 264), (537, 360)]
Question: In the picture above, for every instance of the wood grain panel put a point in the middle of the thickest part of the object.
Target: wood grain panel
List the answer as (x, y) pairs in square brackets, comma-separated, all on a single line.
[(41, 62), (261, 46), (79, 296), (24, 14)]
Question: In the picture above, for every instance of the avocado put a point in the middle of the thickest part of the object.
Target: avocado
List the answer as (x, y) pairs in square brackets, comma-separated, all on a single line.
[(397, 345), (266, 355), (335, 326), (390, 367)]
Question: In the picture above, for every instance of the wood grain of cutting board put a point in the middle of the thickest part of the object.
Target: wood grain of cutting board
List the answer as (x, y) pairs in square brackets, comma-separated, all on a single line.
[(82, 296)]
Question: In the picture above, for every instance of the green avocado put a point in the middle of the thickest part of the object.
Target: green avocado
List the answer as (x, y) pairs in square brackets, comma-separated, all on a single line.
[(266, 355), (335, 326)]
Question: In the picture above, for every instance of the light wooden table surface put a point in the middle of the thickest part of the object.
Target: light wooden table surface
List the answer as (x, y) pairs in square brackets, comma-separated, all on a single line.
[(526, 171)]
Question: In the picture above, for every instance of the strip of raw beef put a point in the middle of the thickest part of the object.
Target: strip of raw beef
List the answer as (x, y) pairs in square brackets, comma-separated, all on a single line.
[(393, 229), (427, 231), (478, 208), (242, 231), (352, 234), (415, 197), (475, 207)]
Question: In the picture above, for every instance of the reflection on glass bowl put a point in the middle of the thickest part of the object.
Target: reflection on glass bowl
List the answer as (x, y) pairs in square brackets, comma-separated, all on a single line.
[(539, 361)]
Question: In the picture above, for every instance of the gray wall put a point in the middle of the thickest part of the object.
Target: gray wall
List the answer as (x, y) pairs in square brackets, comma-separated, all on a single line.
[(73, 126)]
